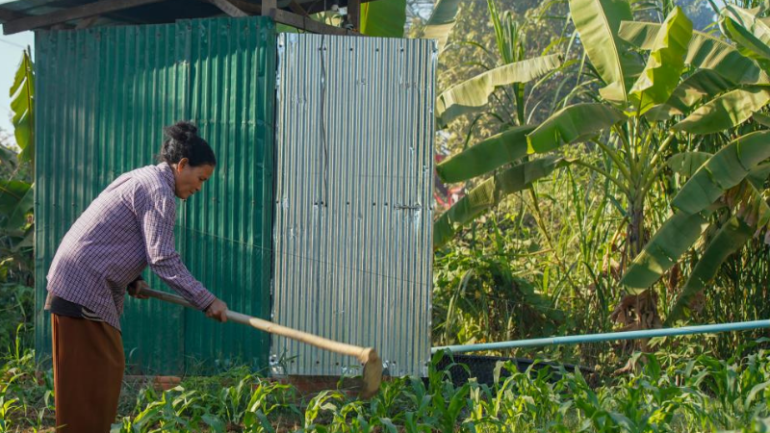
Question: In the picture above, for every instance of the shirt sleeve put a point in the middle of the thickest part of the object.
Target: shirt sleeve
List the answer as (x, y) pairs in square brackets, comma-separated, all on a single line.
[(156, 216)]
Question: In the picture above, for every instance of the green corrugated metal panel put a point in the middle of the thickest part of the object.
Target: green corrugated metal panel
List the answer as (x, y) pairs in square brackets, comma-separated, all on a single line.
[(228, 227), (103, 96)]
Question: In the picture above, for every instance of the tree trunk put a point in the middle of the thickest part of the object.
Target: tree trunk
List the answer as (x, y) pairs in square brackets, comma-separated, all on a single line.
[(635, 230)]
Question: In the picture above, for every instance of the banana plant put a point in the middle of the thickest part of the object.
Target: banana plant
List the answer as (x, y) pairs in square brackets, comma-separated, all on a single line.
[(724, 203), (615, 123), (22, 104), (504, 81), (441, 22), (666, 89), (16, 191)]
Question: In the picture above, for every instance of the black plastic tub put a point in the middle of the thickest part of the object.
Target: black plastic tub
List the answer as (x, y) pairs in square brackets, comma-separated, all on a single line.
[(482, 368)]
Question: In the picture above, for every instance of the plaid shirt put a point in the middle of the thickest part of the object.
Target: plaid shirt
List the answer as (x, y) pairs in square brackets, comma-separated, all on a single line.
[(130, 225)]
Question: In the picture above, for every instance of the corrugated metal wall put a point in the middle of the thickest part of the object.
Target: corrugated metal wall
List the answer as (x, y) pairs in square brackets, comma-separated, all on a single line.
[(353, 210), (103, 96)]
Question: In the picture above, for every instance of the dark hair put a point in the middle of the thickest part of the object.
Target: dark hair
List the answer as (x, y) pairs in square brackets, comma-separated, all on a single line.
[(182, 141)]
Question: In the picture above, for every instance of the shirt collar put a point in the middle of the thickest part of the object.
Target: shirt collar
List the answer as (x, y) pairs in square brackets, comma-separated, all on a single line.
[(168, 174)]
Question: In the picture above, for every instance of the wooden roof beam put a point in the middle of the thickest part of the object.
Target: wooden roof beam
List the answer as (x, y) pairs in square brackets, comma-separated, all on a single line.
[(9, 15), (70, 14), (307, 23), (230, 8)]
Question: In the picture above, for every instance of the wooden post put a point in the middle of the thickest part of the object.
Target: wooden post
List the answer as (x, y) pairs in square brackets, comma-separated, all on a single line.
[(269, 7), (354, 14)]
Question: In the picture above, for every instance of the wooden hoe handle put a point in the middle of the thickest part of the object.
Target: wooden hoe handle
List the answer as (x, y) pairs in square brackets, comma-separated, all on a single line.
[(363, 354)]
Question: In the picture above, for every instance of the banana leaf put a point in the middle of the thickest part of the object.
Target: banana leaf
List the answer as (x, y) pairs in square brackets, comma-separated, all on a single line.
[(704, 51), (472, 95), (665, 248), (687, 163), (572, 124), (726, 169), (750, 34), (640, 34), (441, 22), (665, 64), (489, 194), (702, 84), (22, 106), (762, 119), (725, 111), (729, 239), (598, 22), (486, 156), (383, 18), (758, 176)]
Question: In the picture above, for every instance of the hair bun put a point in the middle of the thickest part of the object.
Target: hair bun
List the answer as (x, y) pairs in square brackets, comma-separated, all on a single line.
[(182, 141), (181, 131)]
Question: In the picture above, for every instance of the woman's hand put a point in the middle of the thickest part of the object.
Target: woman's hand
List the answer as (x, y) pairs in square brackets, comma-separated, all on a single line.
[(135, 289), (217, 311)]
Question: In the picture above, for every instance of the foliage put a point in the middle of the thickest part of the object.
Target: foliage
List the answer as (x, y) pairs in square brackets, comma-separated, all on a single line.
[(664, 391), (22, 103), (16, 224), (671, 97), (384, 18)]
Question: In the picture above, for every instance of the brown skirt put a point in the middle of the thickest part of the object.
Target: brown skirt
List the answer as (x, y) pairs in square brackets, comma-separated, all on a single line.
[(88, 365)]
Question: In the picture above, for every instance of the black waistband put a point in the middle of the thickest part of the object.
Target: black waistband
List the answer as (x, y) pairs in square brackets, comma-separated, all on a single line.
[(63, 307)]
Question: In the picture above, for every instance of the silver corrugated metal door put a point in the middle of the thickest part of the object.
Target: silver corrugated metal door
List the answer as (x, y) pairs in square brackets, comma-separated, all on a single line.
[(353, 206)]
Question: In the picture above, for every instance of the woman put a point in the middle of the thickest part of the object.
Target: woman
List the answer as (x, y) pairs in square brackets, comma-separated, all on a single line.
[(129, 226)]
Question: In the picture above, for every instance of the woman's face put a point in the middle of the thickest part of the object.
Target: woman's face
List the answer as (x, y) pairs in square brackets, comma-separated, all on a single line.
[(189, 179)]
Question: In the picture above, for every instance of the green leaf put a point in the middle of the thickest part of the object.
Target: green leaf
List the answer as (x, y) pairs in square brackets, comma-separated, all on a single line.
[(639, 34), (687, 163), (489, 194), (11, 192), (671, 240), (473, 94), (704, 51), (214, 422), (27, 241), (759, 175), (572, 124), (729, 239), (762, 119), (701, 84), (757, 389), (22, 107), (383, 18), (726, 169), (666, 62), (598, 22), (750, 34), (725, 111), (8, 158), (16, 202), (18, 218), (441, 22), (486, 156)]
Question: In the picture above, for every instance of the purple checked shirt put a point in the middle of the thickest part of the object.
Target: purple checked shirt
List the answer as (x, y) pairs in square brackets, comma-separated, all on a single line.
[(130, 225)]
